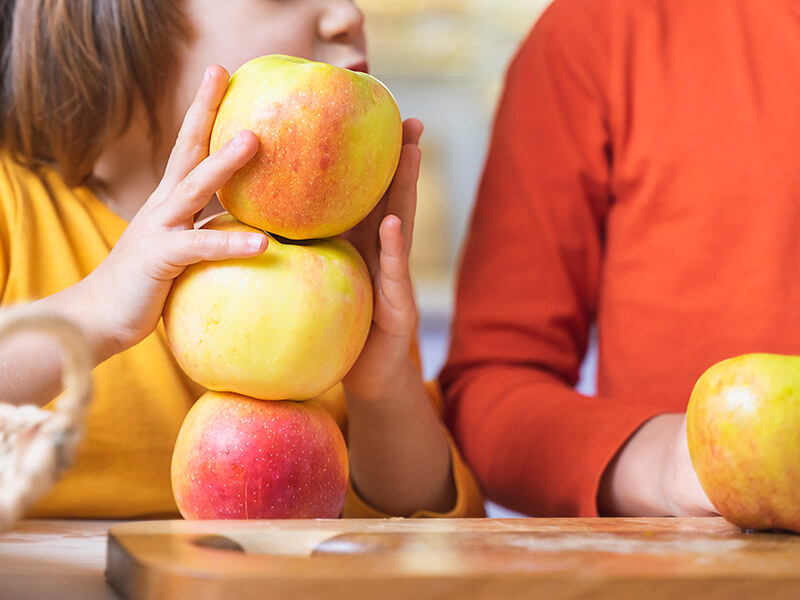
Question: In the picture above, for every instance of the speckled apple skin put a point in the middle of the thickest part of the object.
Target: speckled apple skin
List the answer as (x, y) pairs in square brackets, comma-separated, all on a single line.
[(285, 325), (743, 429), (242, 458), (329, 144)]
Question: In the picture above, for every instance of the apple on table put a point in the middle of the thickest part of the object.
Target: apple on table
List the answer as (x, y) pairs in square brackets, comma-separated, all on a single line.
[(743, 430), (241, 458)]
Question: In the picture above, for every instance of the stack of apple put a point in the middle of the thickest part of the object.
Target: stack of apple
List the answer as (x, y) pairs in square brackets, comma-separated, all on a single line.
[(266, 335)]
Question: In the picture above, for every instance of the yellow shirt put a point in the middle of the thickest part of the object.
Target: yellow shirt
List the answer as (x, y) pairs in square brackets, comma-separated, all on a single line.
[(51, 237)]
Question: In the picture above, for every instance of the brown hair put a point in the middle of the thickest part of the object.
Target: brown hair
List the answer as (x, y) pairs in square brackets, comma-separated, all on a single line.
[(71, 72)]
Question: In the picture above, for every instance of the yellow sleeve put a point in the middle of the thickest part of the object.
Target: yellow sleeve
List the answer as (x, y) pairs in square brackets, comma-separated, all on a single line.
[(469, 500), (6, 218), (3, 260)]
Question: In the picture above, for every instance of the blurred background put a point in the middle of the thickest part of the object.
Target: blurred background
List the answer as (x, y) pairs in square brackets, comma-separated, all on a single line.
[(445, 61)]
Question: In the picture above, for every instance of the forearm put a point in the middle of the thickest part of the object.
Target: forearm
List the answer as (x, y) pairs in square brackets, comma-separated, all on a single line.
[(631, 485), (652, 474), (31, 363), (399, 455)]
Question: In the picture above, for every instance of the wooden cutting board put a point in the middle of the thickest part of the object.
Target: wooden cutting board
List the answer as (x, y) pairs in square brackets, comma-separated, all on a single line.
[(352, 559)]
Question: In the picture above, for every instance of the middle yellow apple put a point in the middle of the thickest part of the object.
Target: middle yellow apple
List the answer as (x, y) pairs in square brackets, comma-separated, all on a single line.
[(285, 325)]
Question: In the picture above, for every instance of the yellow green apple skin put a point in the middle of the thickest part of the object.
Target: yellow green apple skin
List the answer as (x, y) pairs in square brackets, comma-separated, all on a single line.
[(241, 458), (743, 430), (329, 144), (285, 325)]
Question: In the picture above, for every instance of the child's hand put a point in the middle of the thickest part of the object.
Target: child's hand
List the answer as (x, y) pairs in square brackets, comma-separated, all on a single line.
[(128, 290), (685, 495), (653, 476), (399, 453), (384, 240)]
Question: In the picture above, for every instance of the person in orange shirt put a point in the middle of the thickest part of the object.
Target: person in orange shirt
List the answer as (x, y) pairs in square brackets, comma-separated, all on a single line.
[(642, 177), (97, 217)]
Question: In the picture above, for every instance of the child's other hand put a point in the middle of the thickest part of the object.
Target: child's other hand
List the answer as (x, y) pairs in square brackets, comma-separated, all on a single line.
[(128, 290), (685, 495), (653, 475), (384, 240), (399, 453)]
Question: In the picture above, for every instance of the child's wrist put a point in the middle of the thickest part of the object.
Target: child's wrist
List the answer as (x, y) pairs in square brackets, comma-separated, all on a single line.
[(95, 318), (638, 481), (392, 398)]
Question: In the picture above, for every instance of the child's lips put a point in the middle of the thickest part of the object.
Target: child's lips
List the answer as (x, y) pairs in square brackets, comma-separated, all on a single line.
[(360, 66)]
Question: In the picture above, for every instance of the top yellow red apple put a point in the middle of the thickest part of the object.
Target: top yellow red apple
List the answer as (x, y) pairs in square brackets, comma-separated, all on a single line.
[(329, 144)]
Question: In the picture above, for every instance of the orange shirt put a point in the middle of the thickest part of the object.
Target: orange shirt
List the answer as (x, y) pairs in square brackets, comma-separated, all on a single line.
[(643, 175), (52, 236)]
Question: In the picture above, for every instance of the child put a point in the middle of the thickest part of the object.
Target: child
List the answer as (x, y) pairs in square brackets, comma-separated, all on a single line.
[(642, 176), (97, 219)]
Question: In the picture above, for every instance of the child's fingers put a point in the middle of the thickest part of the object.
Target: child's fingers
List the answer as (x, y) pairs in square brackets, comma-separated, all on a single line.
[(194, 245), (401, 199), (391, 236), (191, 145), (195, 190), (412, 131), (395, 280)]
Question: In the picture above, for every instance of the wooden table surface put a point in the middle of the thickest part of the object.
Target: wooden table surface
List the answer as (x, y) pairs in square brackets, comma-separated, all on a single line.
[(58, 560), (398, 558)]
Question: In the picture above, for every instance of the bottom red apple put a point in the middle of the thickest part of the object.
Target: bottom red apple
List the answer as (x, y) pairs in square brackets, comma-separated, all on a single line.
[(241, 458)]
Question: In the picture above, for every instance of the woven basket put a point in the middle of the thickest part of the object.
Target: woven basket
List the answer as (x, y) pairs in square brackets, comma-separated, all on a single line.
[(37, 445)]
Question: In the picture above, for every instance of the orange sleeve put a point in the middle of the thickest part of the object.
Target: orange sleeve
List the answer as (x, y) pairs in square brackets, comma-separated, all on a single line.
[(469, 501), (529, 279)]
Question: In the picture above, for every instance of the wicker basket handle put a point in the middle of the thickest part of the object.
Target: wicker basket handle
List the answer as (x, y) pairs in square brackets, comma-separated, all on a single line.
[(37, 445)]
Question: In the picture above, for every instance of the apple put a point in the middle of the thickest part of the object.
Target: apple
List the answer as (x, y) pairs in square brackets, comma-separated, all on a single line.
[(329, 144), (285, 325), (241, 458), (743, 430)]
